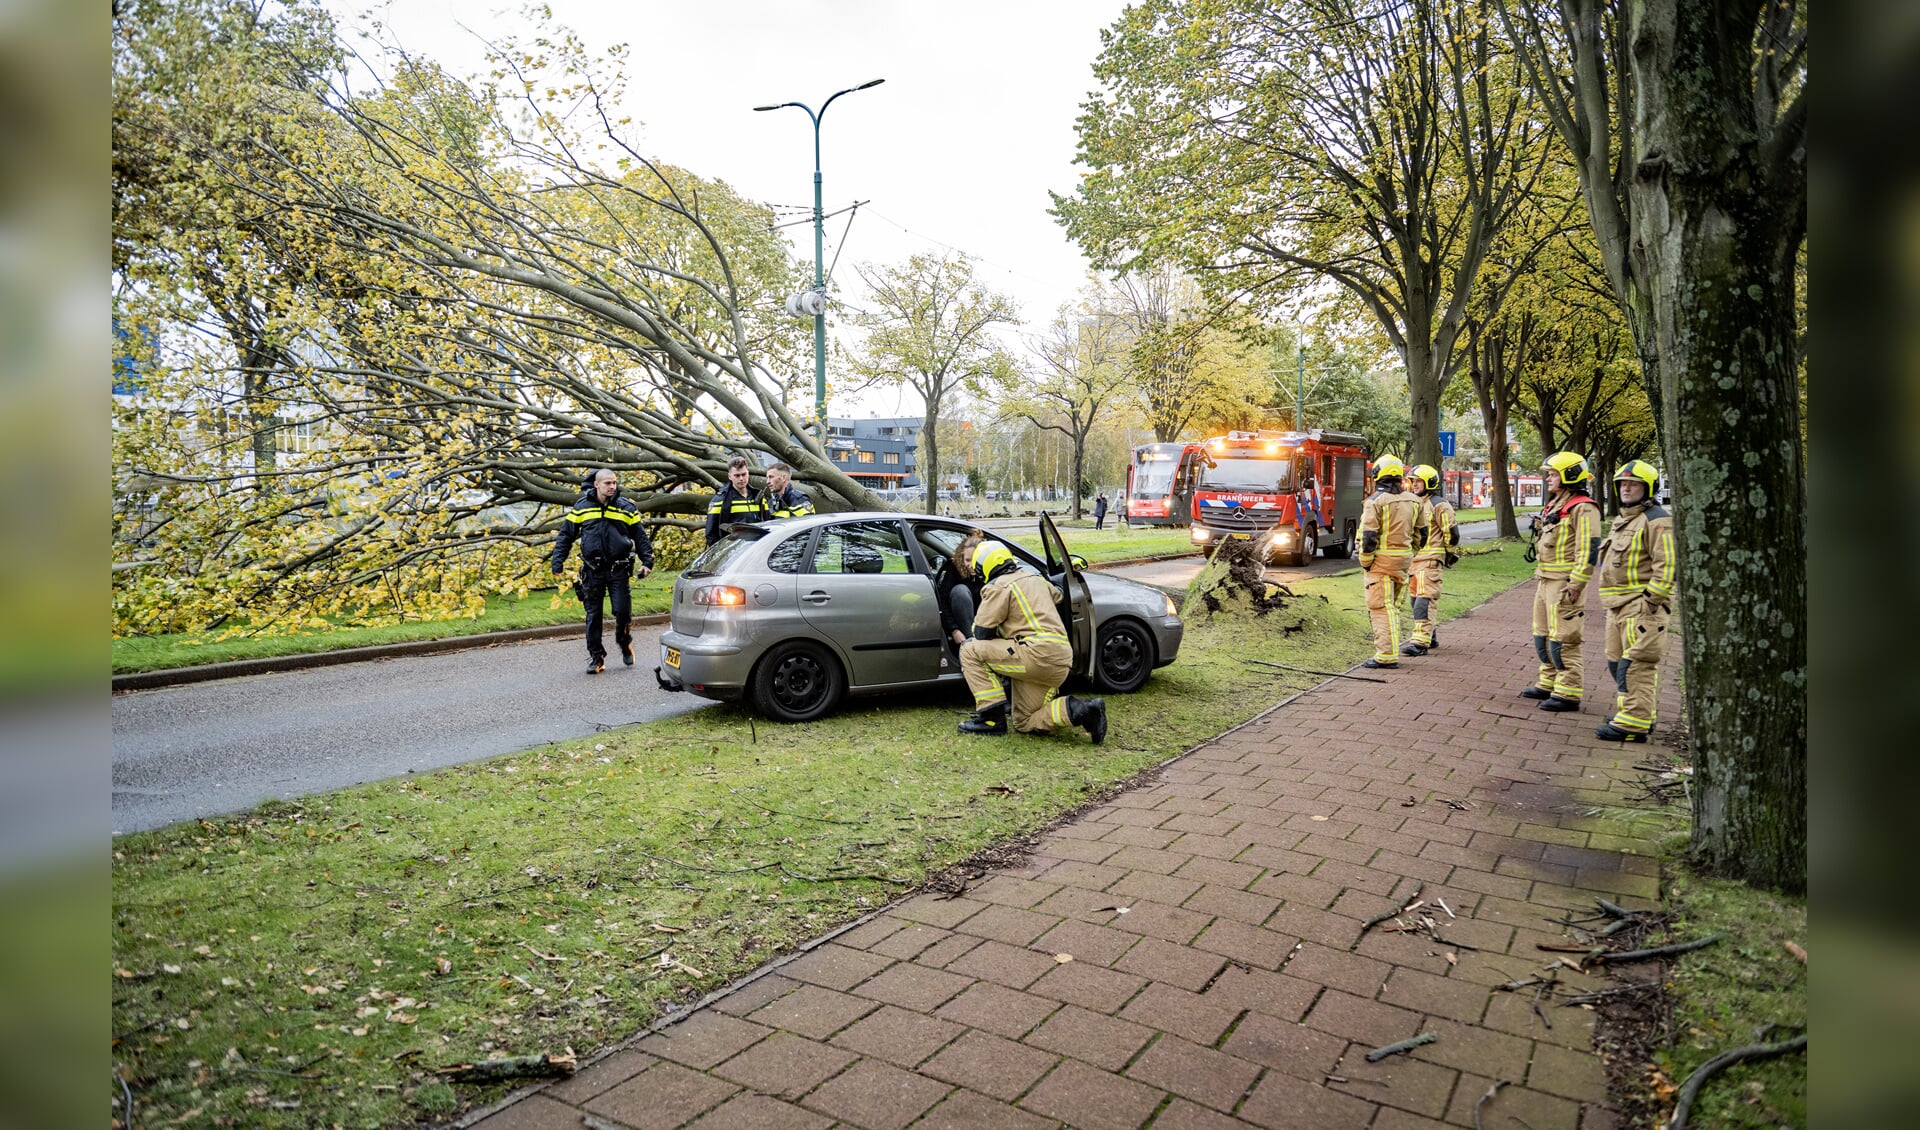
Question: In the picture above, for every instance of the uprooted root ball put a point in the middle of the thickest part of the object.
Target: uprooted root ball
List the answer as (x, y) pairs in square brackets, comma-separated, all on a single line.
[(1233, 581)]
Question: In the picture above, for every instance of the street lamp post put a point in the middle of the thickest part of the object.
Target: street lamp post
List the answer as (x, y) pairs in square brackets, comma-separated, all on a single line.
[(819, 264)]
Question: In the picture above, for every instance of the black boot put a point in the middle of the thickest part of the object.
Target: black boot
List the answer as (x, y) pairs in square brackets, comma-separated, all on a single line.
[(626, 654), (596, 665), (992, 720), (1411, 649), (1434, 643), (1536, 692), (1091, 715), (1613, 733), (1375, 663), (1559, 705)]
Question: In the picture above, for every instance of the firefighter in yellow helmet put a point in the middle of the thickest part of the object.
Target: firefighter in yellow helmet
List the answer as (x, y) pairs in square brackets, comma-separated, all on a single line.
[(1568, 543), (1019, 636), (1443, 536), (1636, 586), (1393, 525)]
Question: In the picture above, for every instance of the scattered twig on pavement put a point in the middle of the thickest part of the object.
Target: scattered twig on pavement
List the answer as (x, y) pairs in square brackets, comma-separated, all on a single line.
[(1407, 1045), (1690, 1090), (1484, 1099), (1547, 985), (1398, 910), (1602, 994), (1310, 671)]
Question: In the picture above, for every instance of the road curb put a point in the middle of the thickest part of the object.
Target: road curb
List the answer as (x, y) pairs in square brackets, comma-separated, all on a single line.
[(207, 672)]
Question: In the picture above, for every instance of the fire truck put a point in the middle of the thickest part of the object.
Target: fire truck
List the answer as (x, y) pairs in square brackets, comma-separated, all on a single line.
[(1160, 483), (1292, 493)]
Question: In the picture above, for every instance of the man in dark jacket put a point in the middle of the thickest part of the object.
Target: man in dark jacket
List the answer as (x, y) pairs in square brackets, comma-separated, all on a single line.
[(611, 538), (735, 502), (781, 498)]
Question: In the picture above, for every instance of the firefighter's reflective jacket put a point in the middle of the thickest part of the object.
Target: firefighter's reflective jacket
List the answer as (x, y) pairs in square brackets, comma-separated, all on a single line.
[(1569, 541), (731, 506), (1392, 524), (1637, 558)]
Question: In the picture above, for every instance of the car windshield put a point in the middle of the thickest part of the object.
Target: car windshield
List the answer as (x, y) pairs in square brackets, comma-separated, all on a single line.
[(720, 556), (1248, 475)]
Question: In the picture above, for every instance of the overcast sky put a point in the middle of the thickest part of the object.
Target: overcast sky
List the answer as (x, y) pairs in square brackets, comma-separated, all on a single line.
[(974, 124)]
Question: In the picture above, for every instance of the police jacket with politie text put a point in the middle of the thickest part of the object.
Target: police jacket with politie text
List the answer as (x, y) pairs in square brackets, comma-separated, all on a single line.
[(731, 506), (790, 502), (608, 534)]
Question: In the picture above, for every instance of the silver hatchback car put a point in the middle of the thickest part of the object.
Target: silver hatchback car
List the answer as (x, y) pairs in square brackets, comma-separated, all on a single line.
[(794, 615)]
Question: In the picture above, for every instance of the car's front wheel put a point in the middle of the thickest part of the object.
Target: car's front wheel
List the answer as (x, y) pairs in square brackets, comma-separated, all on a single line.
[(1122, 656), (797, 681)]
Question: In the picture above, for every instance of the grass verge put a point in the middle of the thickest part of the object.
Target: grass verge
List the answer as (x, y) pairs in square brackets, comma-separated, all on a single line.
[(311, 963), (1722, 997)]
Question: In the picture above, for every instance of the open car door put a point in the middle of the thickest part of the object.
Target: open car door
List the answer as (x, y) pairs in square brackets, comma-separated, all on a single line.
[(1078, 613)]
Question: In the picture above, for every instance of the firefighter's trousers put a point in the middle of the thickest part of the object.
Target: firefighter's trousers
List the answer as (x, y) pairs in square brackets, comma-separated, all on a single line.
[(1426, 598), (1636, 640), (1557, 632), (1386, 584), (1036, 668)]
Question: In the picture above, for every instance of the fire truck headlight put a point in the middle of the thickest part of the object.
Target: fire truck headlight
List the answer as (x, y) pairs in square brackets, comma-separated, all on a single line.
[(1199, 534)]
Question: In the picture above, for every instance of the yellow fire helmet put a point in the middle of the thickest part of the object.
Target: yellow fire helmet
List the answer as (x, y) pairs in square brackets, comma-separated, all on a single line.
[(1638, 469), (1428, 477), (1388, 468), (989, 557), (1569, 467)]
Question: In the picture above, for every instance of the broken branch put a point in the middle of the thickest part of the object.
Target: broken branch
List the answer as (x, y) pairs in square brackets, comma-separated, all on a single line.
[(1657, 951), (1398, 910), (1690, 1090), (511, 1067), (1310, 671), (1407, 1045), (1484, 1099)]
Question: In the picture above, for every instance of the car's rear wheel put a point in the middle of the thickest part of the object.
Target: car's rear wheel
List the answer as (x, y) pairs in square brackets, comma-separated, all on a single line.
[(797, 681), (1122, 656)]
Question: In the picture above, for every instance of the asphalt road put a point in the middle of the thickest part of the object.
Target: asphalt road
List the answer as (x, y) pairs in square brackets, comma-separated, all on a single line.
[(211, 748)]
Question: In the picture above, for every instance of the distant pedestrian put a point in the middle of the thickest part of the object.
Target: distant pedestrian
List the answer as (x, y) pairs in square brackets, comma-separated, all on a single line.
[(1567, 540), (1393, 523), (1100, 511), (735, 502), (782, 499), (612, 543)]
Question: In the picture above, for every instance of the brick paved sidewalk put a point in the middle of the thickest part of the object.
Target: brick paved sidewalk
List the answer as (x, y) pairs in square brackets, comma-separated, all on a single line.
[(1236, 988)]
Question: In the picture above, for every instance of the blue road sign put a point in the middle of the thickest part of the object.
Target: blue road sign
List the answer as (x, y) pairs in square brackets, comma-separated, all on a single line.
[(1446, 444)]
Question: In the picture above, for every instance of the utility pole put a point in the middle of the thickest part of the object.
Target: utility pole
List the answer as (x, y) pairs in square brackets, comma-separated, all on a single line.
[(1300, 387), (815, 302)]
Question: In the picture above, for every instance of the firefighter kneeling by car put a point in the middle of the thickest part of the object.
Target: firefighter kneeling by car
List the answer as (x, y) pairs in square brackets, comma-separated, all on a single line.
[(1636, 586), (1018, 636)]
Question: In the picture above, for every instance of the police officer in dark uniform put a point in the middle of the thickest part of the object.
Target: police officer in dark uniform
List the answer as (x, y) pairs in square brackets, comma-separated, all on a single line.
[(608, 529), (782, 499), (736, 502)]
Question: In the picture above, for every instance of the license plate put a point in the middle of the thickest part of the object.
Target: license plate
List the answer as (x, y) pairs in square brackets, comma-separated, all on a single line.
[(673, 657), (1242, 537)]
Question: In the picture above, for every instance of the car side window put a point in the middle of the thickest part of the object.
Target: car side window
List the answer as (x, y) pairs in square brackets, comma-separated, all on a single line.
[(937, 544), (790, 555), (862, 547)]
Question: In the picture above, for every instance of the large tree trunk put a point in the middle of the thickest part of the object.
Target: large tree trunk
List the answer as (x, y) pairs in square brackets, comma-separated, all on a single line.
[(1490, 389), (1423, 395), (1716, 232)]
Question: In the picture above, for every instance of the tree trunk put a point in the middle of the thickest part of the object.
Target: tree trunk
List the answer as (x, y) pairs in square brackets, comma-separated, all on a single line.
[(1489, 388), (1423, 394), (1079, 463), (930, 450), (1716, 229)]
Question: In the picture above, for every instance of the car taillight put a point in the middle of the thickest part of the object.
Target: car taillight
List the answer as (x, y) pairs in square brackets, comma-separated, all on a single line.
[(725, 596)]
